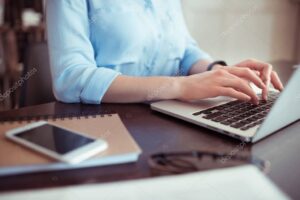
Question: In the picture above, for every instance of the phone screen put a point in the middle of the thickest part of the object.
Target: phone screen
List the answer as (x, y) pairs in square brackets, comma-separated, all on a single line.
[(54, 138)]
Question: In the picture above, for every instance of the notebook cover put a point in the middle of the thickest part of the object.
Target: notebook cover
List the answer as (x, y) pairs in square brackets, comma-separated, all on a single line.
[(16, 159)]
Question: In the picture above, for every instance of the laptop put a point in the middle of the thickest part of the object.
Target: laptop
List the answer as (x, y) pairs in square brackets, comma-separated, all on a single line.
[(238, 119)]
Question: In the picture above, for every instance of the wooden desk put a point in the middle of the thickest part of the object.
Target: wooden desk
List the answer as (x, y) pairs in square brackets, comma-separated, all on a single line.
[(156, 132)]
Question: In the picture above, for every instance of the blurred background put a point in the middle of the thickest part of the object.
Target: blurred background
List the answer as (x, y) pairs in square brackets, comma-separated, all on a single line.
[(237, 29), (230, 30)]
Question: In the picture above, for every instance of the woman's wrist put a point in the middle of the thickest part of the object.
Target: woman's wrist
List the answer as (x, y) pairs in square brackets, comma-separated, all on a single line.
[(172, 88), (179, 85)]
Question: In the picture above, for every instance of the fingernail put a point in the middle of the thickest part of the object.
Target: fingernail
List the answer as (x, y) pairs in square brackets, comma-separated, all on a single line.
[(257, 99), (255, 102), (265, 97), (281, 88)]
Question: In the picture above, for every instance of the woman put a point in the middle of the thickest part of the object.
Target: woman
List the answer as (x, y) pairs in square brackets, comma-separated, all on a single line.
[(139, 50)]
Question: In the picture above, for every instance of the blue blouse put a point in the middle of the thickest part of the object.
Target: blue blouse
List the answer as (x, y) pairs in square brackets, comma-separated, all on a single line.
[(91, 42)]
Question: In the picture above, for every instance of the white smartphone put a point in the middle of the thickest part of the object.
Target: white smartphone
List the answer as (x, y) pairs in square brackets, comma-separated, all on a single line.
[(56, 142)]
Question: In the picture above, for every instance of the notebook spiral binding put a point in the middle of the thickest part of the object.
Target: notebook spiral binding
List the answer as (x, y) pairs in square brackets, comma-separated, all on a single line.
[(55, 117)]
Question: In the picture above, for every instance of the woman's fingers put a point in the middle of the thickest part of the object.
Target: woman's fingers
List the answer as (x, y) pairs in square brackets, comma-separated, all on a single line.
[(265, 69), (230, 92), (247, 74), (266, 74), (240, 85), (276, 81)]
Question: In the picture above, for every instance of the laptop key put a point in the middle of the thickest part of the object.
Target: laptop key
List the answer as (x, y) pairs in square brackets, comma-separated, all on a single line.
[(213, 115), (197, 113), (226, 122), (219, 119), (245, 128), (241, 115), (237, 125), (252, 125)]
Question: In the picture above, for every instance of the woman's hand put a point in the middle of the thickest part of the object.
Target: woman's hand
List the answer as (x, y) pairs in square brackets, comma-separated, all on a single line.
[(265, 73), (232, 81)]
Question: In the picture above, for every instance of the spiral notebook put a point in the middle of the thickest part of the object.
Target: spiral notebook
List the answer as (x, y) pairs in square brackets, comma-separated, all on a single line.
[(16, 159)]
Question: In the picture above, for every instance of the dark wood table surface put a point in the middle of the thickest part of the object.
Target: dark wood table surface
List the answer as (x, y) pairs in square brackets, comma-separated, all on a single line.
[(155, 132)]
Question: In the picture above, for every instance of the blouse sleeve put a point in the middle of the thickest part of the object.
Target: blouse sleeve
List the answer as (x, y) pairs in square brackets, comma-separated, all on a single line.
[(76, 76), (192, 52), (192, 55)]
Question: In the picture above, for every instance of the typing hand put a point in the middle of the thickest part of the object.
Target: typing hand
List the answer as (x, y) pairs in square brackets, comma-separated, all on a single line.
[(265, 72), (232, 81)]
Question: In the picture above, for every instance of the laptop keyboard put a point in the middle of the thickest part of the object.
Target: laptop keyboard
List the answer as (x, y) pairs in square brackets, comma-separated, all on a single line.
[(238, 114)]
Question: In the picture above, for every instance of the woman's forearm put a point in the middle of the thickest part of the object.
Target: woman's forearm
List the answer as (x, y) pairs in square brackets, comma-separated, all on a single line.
[(127, 89), (221, 81)]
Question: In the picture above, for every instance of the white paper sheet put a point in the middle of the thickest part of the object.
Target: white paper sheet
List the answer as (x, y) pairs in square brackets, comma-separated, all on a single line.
[(246, 183)]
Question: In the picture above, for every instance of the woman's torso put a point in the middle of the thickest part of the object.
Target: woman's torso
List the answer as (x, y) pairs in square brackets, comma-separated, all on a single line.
[(138, 37)]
